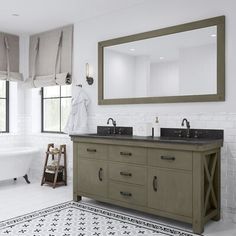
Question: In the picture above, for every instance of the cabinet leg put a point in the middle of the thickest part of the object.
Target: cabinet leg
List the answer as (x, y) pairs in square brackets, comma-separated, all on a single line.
[(76, 198), (198, 227), (217, 217)]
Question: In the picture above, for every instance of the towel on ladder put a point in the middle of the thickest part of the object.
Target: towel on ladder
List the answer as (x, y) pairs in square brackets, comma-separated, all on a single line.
[(77, 120)]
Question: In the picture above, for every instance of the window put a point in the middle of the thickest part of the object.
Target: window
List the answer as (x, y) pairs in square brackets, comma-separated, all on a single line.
[(4, 106), (56, 102)]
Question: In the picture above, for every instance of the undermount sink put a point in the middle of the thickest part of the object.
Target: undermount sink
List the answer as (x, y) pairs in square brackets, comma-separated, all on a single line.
[(114, 131)]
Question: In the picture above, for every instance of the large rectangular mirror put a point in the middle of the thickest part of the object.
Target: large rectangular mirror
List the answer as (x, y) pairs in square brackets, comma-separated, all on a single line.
[(183, 63)]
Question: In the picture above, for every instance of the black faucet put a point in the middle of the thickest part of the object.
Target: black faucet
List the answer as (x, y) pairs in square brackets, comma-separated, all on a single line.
[(187, 125), (113, 123)]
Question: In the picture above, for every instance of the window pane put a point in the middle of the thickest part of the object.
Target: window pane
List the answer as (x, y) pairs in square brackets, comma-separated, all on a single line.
[(52, 91), (2, 115), (65, 110), (66, 90), (2, 88), (52, 115)]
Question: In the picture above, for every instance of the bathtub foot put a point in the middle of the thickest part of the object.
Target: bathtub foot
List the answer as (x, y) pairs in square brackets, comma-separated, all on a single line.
[(26, 179), (15, 179)]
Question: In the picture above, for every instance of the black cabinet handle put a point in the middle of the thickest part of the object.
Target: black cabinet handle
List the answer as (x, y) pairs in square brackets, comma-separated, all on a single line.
[(154, 183), (126, 153), (168, 158), (125, 194), (100, 174), (125, 173), (91, 150)]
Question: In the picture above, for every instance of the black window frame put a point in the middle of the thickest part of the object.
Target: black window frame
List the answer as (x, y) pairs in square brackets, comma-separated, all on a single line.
[(42, 111), (6, 108)]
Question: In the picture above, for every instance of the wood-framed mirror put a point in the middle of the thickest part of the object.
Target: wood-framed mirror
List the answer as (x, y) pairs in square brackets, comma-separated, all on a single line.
[(182, 63)]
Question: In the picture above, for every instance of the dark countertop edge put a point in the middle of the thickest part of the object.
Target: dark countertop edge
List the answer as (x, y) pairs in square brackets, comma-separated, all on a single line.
[(202, 142)]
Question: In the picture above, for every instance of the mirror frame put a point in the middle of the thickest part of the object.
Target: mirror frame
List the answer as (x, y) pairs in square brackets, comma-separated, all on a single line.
[(219, 96)]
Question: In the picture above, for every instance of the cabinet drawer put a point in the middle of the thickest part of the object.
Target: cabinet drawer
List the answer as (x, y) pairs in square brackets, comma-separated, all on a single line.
[(127, 193), (91, 150), (170, 159), (128, 173), (128, 154)]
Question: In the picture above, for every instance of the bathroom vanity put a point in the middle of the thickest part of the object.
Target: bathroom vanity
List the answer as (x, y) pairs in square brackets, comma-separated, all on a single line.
[(172, 177)]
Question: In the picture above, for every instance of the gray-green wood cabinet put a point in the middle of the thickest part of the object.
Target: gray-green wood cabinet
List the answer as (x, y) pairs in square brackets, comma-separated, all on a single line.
[(170, 190), (178, 181), (92, 177)]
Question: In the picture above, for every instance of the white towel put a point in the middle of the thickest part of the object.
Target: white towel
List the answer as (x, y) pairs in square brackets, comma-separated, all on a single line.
[(77, 122)]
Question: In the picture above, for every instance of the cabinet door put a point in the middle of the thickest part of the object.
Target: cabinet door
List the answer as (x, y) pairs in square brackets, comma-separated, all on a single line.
[(170, 191), (92, 177)]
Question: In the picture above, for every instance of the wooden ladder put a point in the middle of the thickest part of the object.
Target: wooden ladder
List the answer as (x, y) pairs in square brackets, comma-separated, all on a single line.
[(61, 153)]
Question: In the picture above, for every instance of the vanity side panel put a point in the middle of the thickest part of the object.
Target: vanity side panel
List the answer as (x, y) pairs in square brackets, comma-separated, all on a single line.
[(198, 193), (76, 197), (217, 185)]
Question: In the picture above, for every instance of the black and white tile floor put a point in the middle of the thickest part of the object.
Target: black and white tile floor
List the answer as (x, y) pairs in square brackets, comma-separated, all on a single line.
[(17, 199), (82, 219)]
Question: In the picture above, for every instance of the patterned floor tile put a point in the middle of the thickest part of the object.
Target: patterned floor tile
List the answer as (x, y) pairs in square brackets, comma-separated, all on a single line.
[(83, 219)]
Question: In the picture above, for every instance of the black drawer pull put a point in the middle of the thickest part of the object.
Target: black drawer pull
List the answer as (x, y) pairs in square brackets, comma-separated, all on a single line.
[(154, 183), (91, 150), (126, 194), (126, 153), (100, 174), (125, 173), (168, 158)]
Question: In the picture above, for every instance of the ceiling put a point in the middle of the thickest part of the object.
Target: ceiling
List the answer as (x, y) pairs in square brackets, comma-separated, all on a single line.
[(40, 15)]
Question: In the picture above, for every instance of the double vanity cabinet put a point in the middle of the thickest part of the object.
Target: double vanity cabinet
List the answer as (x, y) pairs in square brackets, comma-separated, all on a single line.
[(178, 180)]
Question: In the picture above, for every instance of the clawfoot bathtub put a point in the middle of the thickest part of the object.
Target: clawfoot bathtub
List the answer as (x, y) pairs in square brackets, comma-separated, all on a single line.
[(15, 162)]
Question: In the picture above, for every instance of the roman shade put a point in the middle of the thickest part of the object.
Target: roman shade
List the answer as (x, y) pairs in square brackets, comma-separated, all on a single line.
[(9, 57), (50, 57)]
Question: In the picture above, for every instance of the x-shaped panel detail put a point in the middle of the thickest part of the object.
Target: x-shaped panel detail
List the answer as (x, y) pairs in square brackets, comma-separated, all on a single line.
[(210, 192)]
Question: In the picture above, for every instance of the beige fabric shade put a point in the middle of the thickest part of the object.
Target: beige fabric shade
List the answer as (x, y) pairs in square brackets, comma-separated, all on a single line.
[(51, 58), (9, 58), (12, 76), (50, 80)]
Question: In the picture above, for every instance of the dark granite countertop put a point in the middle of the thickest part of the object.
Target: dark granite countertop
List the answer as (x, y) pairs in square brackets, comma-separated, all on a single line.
[(172, 140)]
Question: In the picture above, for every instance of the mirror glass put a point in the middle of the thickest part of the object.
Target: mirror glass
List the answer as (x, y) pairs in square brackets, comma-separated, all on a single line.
[(178, 64)]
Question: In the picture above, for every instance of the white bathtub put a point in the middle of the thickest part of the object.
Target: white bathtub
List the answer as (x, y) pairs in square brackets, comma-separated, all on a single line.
[(15, 162)]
